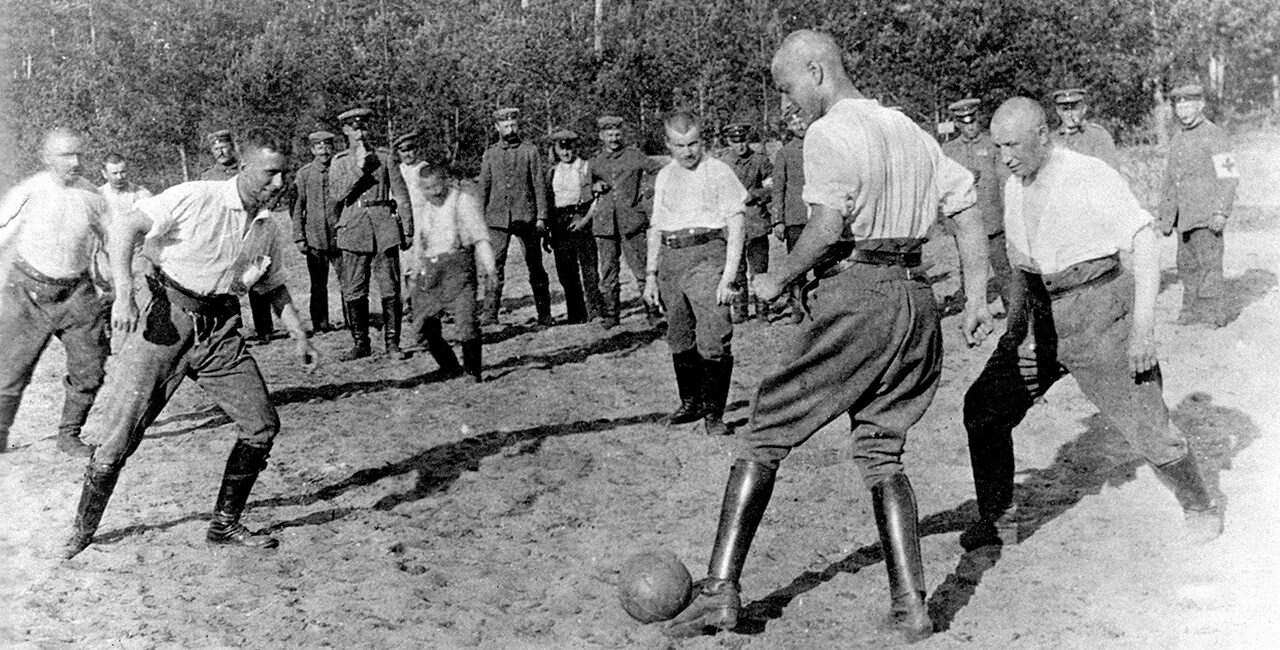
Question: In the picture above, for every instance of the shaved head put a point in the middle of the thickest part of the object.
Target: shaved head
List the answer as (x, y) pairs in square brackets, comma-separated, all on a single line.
[(61, 151), (1020, 131), (809, 69), (681, 122)]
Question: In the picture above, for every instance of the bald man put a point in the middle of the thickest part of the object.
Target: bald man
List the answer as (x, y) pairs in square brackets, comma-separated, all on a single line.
[(50, 226), (1074, 310), (873, 349)]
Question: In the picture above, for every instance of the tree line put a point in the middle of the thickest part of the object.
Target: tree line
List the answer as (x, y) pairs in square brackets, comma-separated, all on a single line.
[(150, 78)]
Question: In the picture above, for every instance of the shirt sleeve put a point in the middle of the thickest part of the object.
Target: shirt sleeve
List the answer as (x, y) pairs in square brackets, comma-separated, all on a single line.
[(170, 207), (733, 195), (1110, 195), (831, 172), (956, 190), (661, 215), (471, 226)]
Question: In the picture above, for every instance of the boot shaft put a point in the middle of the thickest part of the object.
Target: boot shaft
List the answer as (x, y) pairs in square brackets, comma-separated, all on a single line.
[(746, 495)]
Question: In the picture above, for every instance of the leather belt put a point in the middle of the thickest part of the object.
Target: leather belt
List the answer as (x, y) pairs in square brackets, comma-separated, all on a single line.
[(691, 237), (216, 305), (42, 288), (376, 203), (871, 257), (1079, 276), (32, 273)]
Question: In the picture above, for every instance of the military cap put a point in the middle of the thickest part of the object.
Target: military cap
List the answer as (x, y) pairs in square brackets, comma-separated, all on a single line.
[(506, 113), (354, 113), (1069, 95), (316, 137), (737, 132), (964, 107), (563, 135), (1187, 91), (220, 136), (608, 122), (408, 138)]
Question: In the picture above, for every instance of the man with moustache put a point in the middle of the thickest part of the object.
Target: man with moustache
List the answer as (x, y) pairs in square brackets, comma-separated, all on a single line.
[(315, 225), (1076, 132)]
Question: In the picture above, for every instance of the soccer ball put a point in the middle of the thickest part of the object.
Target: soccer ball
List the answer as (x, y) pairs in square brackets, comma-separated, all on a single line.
[(655, 586)]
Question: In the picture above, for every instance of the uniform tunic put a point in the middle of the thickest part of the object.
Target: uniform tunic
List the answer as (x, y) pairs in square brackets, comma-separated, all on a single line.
[(374, 218), (1092, 139), (315, 228), (203, 240), (789, 208), (48, 235), (873, 348), (1071, 312), (753, 170), (686, 201), (1199, 181), (621, 219), (513, 188)]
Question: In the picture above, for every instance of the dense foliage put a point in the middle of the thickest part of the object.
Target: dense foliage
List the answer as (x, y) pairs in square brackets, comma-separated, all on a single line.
[(149, 78)]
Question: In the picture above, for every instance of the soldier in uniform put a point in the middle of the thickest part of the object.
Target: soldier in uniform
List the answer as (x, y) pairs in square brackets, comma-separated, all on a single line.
[(621, 214), (571, 240), (226, 165), (50, 225), (450, 244), (790, 212), (1077, 311), (874, 182), (513, 187), (1196, 198), (211, 240), (315, 226), (1075, 132), (974, 150), (753, 170), (694, 251), (375, 223)]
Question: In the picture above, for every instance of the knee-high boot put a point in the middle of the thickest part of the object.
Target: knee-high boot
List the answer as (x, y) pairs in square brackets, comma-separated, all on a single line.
[(471, 356), (690, 383), (75, 410), (99, 483), (391, 328), (896, 518), (716, 598), (1203, 516), (243, 466), (358, 324), (717, 375), (8, 411)]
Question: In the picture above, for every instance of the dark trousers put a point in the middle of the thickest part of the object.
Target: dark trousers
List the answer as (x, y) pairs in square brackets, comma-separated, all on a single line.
[(318, 263), (357, 270), (873, 349), (687, 280), (576, 265), (1084, 332), (611, 251), (31, 312), (1200, 269), (791, 234), (169, 345), (755, 256), (1001, 271), (500, 238), (446, 284), (260, 311)]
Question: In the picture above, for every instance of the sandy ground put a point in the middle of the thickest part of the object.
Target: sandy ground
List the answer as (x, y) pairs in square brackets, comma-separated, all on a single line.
[(416, 512)]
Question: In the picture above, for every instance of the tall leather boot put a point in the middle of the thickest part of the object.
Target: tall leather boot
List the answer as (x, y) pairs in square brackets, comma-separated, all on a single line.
[(542, 303), (716, 375), (471, 359), (716, 601), (99, 483), (689, 382), (75, 410), (1203, 516), (439, 349), (358, 324), (243, 466), (992, 463), (391, 328), (8, 411), (895, 508)]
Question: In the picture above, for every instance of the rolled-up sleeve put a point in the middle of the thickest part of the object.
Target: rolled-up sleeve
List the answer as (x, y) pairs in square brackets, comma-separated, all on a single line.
[(956, 191)]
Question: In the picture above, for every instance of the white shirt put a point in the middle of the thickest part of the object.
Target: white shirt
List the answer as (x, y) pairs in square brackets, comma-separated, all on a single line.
[(53, 227), (702, 197), (1077, 209), (202, 237), (894, 173), (121, 201), (457, 223), (571, 183), (410, 175)]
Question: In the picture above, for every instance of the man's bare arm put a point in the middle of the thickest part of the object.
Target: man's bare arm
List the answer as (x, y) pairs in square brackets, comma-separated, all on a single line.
[(124, 236)]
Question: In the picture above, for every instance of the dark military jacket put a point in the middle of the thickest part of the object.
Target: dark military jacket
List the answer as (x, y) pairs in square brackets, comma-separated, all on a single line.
[(752, 171), (789, 207), (623, 209), (315, 216), (1092, 140), (981, 157), (1200, 178), (219, 172), (371, 203), (513, 184)]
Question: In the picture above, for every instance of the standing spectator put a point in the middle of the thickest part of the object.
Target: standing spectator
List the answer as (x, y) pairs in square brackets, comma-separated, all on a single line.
[(375, 223), (1076, 132), (621, 215), (513, 187), (118, 190), (974, 150), (790, 212), (1196, 198), (315, 226), (574, 248), (50, 225)]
